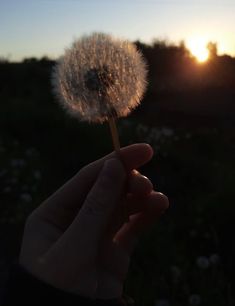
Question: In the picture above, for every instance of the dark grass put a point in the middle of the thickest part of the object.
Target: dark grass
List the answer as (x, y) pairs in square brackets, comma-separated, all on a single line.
[(41, 148)]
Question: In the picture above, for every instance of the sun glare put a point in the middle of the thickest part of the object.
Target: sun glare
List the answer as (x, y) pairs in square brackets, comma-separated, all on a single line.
[(197, 46)]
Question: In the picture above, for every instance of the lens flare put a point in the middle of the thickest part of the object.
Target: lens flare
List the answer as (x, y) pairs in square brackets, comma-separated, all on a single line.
[(198, 48)]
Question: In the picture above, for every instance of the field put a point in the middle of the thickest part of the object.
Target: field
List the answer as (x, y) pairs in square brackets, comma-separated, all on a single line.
[(187, 257)]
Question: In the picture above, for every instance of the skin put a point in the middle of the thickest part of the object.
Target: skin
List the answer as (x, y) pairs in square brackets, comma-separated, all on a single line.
[(78, 240)]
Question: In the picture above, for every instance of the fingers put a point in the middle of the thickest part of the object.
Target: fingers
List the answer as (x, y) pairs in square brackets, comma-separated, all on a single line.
[(157, 203), (139, 185), (81, 239), (130, 206), (61, 207)]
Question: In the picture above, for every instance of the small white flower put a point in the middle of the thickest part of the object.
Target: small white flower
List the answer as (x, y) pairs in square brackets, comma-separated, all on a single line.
[(31, 152), (188, 135), (162, 302), (203, 262), (3, 172), (25, 187), (26, 197), (14, 162), (100, 76), (141, 129), (176, 273), (194, 300), (37, 174), (13, 180), (214, 259), (15, 143), (207, 235), (167, 132), (7, 189), (2, 149), (17, 163), (193, 233), (34, 188)]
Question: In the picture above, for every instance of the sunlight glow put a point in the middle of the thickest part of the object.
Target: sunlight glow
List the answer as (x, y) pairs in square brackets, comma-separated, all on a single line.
[(198, 47)]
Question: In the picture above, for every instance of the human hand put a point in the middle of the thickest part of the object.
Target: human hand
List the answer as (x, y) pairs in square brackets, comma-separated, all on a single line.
[(77, 240)]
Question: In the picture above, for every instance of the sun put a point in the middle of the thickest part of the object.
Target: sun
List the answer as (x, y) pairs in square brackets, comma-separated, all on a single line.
[(198, 47)]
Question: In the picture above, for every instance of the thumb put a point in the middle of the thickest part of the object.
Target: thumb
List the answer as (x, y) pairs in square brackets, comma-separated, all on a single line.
[(83, 235)]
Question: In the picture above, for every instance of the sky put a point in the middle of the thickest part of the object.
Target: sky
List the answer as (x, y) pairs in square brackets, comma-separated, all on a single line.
[(36, 28)]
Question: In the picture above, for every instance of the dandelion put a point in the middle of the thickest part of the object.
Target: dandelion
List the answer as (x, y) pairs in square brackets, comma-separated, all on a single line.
[(100, 76), (194, 300), (203, 262)]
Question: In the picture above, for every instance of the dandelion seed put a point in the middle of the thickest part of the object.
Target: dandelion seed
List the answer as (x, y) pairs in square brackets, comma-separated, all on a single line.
[(99, 77)]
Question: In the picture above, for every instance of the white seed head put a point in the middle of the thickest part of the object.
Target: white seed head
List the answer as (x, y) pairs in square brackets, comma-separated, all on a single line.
[(100, 76)]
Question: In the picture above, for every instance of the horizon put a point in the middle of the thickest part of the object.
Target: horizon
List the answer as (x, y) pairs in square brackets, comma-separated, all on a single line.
[(39, 28)]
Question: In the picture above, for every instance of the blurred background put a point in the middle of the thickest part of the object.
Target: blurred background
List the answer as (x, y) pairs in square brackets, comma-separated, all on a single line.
[(187, 115)]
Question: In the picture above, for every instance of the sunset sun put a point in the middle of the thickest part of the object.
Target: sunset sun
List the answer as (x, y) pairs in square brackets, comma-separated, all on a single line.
[(198, 48)]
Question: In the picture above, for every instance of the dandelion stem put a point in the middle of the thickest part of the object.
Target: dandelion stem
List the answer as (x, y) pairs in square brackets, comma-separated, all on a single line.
[(116, 144), (114, 133)]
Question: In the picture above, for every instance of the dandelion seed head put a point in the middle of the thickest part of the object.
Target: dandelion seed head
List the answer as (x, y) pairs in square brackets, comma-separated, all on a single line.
[(100, 76)]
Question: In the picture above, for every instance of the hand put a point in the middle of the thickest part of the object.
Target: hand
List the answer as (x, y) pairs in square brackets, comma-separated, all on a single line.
[(78, 240)]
